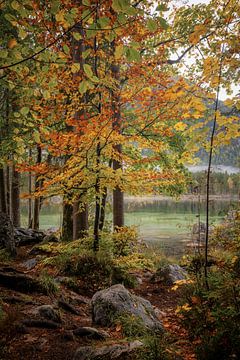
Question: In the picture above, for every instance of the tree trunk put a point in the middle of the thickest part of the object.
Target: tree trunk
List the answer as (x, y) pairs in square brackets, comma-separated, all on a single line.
[(80, 221), (67, 225), (7, 234), (118, 205), (15, 197), (3, 205), (36, 209)]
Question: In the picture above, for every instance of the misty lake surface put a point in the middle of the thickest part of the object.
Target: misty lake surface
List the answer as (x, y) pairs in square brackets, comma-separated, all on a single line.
[(161, 222)]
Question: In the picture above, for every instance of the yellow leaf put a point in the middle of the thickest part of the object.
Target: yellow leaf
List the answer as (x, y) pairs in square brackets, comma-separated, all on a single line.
[(118, 52), (180, 126)]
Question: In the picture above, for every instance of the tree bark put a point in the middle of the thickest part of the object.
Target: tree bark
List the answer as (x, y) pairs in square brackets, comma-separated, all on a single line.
[(80, 221), (118, 198), (67, 225), (3, 204), (15, 197), (36, 210)]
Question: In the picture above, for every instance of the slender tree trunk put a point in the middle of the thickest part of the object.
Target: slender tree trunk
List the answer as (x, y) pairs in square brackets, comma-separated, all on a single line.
[(7, 188), (209, 171), (36, 209), (3, 204), (15, 197), (103, 210), (30, 220), (80, 218), (118, 199), (97, 204)]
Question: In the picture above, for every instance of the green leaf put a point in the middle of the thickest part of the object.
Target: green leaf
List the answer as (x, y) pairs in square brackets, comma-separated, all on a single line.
[(36, 136), (77, 36), (83, 87), (22, 33), (103, 22), (162, 7), (55, 6), (86, 53), (75, 68), (133, 54), (24, 110), (15, 5), (116, 6), (46, 94), (152, 25), (3, 53), (88, 70), (163, 23), (86, 2), (66, 49)]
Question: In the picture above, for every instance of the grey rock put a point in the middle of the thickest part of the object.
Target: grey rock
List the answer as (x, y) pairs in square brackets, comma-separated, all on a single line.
[(91, 333), (107, 352), (49, 313), (30, 264), (50, 238), (169, 274), (108, 304)]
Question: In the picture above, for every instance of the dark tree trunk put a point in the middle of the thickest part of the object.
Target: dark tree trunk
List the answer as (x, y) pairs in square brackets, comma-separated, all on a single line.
[(103, 208), (97, 204), (80, 221), (7, 234), (15, 197), (3, 205), (118, 214), (67, 224), (36, 209)]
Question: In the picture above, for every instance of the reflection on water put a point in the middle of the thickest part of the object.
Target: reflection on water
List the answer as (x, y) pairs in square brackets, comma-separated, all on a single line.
[(168, 223), (162, 223)]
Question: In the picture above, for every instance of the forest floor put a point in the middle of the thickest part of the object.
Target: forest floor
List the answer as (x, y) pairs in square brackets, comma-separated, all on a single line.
[(32, 343)]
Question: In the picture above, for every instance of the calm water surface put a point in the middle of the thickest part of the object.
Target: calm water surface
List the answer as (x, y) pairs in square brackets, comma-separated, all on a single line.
[(161, 223)]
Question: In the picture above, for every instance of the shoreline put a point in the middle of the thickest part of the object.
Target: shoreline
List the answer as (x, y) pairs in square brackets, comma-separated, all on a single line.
[(190, 197)]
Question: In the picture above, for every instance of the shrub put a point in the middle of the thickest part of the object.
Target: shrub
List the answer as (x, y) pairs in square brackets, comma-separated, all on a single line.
[(49, 284), (212, 315)]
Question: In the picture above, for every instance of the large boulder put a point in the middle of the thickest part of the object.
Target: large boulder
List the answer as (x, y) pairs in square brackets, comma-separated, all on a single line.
[(169, 274), (117, 301), (107, 352)]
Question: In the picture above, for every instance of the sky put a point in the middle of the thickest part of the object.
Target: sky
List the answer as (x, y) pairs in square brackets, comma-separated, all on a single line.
[(222, 94)]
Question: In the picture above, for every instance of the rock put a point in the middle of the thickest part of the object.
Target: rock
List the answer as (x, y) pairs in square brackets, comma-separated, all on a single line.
[(27, 236), (107, 352), (116, 301), (30, 264), (91, 333), (49, 313), (169, 274), (7, 239), (50, 238)]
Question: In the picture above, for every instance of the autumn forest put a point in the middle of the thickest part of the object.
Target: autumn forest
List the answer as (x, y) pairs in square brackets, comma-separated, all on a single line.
[(102, 100)]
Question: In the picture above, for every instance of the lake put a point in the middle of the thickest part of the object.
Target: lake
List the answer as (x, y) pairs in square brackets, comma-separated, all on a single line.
[(161, 222)]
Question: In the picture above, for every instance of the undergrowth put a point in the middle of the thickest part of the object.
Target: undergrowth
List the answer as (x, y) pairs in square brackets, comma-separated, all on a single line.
[(212, 316)]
